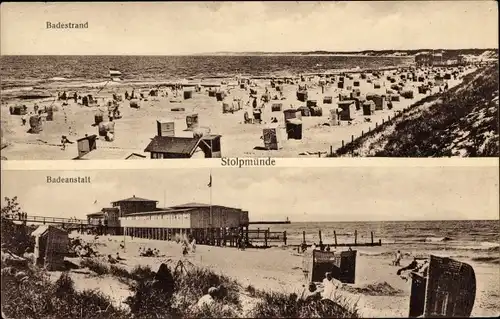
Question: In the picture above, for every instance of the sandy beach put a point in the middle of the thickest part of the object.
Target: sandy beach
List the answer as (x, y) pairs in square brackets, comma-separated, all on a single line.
[(137, 127), (280, 269)]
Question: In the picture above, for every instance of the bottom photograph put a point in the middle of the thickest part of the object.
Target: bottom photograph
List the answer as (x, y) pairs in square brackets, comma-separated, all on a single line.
[(346, 242)]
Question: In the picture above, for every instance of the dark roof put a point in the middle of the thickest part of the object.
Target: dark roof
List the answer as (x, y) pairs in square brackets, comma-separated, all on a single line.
[(210, 137), (346, 102), (173, 145), (135, 199), (110, 209), (98, 214)]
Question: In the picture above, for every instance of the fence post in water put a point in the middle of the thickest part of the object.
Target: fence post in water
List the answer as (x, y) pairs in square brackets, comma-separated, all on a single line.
[(284, 237), (335, 237), (265, 238), (371, 233), (352, 138), (355, 237), (331, 150), (342, 143), (304, 236), (258, 231)]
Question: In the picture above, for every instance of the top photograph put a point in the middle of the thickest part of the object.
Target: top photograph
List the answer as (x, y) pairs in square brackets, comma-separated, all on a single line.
[(129, 80)]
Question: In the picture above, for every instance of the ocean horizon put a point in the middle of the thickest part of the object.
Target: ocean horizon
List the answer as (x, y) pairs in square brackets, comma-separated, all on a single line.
[(27, 71)]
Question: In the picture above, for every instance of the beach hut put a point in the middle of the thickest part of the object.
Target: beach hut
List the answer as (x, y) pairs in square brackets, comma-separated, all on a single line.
[(276, 107), (343, 97), (257, 115), (341, 265), (211, 92), (134, 104), (188, 94), (355, 83), (368, 108), (363, 76), (35, 124), (18, 110), (302, 96), (422, 89), (448, 290), (51, 246), (334, 117), (348, 109), (165, 127), (340, 85), (292, 114), (294, 129), (192, 121), (86, 144), (327, 100)]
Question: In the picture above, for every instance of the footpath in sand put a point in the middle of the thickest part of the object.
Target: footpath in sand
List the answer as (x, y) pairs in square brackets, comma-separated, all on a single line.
[(378, 290), (137, 127)]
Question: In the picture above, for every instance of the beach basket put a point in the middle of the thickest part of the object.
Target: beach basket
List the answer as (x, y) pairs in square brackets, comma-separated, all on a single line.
[(35, 124), (368, 108), (50, 115), (211, 93), (327, 100), (316, 111), (334, 118), (302, 96), (407, 94), (226, 108), (270, 136), (395, 98), (192, 121), (340, 85), (304, 111), (376, 85), (220, 96), (188, 95), (311, 103), (276, 107), (294, 129), (355, 83), (98, 118)]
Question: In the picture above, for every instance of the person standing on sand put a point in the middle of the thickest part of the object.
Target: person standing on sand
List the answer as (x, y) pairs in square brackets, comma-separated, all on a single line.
[(23, 120), (397, 261)]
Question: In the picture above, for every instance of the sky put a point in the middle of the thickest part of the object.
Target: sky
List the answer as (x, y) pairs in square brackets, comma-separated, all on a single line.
[(160, 28), (302, 194)]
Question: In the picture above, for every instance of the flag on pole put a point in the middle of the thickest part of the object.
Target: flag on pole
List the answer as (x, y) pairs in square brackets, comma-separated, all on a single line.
[(210, 183)]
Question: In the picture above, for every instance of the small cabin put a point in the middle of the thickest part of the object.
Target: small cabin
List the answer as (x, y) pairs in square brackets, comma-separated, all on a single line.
[(164, 147), (302, 95), (51, 246), (272, 138)]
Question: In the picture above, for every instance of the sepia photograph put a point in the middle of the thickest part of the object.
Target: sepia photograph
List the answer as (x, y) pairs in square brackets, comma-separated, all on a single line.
[(349, 242), (249, 79)]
